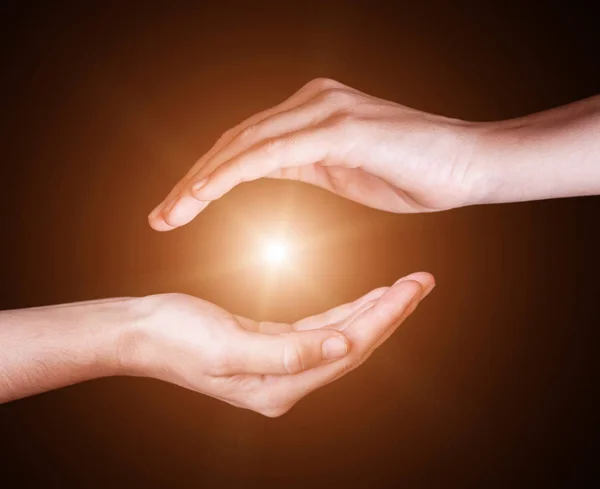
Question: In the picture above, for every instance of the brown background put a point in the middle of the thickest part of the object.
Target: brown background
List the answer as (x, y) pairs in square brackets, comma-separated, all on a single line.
[(488, 385)]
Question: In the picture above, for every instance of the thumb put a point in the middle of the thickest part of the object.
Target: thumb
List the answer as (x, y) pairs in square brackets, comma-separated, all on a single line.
[(286, 353)]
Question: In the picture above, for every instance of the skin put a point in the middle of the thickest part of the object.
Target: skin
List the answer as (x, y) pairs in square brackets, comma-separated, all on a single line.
[(394, 158), (265, 367), (373, 151)]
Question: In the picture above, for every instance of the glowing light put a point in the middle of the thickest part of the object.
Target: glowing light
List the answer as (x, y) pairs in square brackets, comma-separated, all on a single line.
[(275, 251)]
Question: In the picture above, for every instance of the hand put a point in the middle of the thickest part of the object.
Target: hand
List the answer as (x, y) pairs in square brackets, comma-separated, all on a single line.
[(396, 159), (265, 367), (372, 151)]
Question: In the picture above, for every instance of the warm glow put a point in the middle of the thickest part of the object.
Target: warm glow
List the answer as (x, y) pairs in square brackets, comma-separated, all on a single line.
[(275, 251)]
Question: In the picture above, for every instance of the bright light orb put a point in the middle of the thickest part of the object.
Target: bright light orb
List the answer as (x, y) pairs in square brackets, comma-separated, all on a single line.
[(275, 252)]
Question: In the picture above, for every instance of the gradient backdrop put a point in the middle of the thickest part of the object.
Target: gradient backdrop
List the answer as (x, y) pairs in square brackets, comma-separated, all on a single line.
[(489, 384)]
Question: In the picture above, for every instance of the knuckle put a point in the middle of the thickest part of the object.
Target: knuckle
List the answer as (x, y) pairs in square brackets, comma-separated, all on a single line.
[(272, 146), (343, 119), (353, 361), (248, 132), (174, 298), (337, 97), (219, 359), (353, 364), (322, 83), (218, 364), (292, 358), (338, 182), (346, 124), (169, 303)]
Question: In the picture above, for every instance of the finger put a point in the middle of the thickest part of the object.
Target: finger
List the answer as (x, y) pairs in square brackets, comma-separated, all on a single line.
[(283, 354), (334, 318), (339, 313), (242, 168), (428, 287), (193, 207), (310, 110), (385, 313), (381, 318), (295, 149), (302, 117), (299, 148), (219, 144), (333, 92), (264, 327), (201, 167), (342, 325), (155, 218)]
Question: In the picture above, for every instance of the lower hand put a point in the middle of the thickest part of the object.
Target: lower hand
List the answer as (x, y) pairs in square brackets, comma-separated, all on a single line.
[(265, 367)]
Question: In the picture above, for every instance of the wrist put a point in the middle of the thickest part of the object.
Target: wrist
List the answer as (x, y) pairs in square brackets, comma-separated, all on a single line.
[(137, 351), (132, 337), (475, 175), (493, 161)]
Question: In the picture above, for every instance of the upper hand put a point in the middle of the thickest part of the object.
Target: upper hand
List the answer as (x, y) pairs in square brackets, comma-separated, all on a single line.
[(265, 367), (370, 150)]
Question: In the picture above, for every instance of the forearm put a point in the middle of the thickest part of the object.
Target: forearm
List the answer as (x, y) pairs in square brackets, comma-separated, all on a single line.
[(49, 347), (551, 154)]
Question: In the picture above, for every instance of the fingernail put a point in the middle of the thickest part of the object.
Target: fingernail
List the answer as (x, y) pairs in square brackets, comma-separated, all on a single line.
[(334, 348), (169, 207), (428, 290), (199, 185)]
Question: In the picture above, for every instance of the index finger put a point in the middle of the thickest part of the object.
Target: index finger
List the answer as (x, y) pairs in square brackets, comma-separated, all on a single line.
[(298, 148), (207, 163)]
